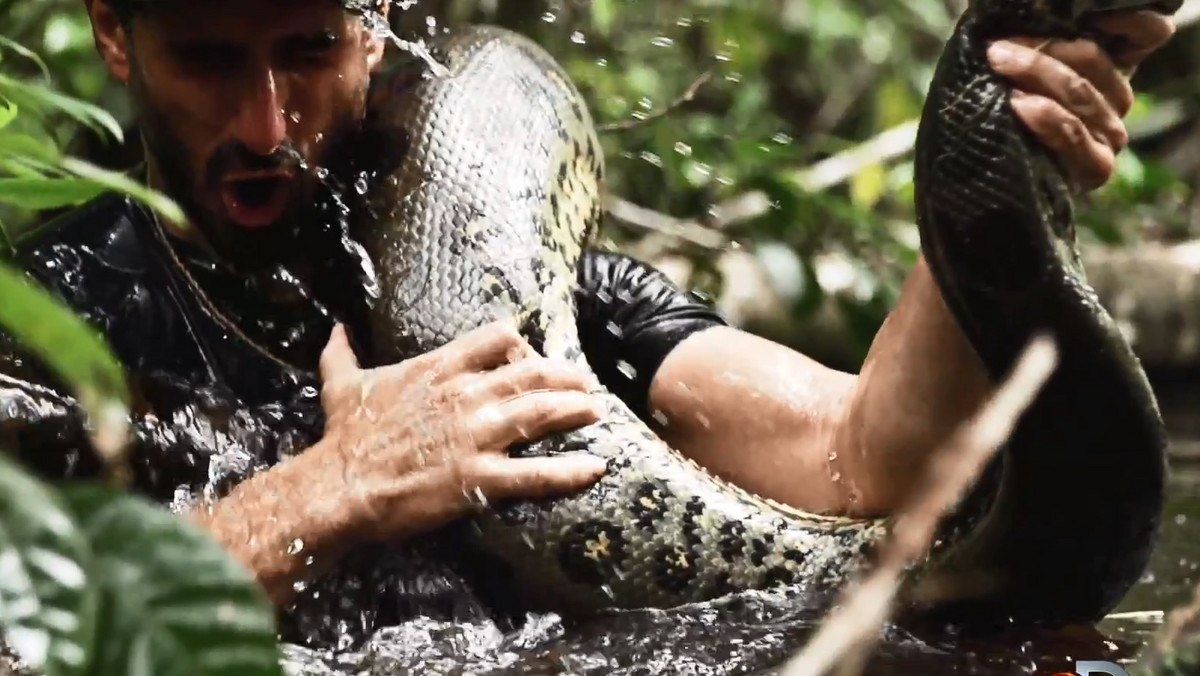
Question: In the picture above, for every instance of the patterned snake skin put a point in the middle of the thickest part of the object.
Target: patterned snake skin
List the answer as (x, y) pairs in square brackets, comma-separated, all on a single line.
[(490, 192)]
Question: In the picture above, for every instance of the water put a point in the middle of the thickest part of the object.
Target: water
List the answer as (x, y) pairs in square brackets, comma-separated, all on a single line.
[(754, 633)]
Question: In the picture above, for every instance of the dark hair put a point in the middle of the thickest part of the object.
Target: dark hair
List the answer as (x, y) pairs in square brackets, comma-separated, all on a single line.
[(124, 9)]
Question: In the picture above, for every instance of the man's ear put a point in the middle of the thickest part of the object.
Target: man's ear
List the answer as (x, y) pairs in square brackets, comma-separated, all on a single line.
[(110, 37)]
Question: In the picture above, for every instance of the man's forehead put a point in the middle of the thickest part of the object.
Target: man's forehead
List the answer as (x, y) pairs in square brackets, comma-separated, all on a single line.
[(278, 8), (352, 5), (183, 18)]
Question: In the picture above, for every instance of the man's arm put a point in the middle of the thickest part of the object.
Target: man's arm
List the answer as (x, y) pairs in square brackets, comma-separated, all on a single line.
[(782, 425), (406, 448)]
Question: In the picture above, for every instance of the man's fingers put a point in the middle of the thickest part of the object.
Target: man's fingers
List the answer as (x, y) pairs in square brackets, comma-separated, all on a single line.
[(1073, 74), (337, 358), (1087, 162), (482, 349), (1140, 33), (531, 417), (501, 477), (523, 377)]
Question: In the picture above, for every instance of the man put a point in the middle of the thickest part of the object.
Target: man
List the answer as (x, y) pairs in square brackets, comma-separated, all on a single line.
[(229, 93)]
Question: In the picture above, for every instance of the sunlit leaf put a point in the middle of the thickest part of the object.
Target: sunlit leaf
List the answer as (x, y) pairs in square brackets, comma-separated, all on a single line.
[(47, 606), (868, 185), (47, 193), (173, 601), (8, 112), (26, 147)]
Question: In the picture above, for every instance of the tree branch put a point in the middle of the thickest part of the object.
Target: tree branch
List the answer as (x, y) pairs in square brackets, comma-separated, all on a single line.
[(847, 634)]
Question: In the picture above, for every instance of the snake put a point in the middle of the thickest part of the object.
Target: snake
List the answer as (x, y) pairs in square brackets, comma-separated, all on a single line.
[(487, 188)]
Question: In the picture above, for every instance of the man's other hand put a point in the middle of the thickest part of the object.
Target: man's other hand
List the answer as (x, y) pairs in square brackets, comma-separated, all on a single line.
[(1073, 96)]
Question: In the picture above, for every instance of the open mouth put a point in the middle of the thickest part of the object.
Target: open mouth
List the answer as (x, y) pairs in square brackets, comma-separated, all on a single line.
[(256, 201)]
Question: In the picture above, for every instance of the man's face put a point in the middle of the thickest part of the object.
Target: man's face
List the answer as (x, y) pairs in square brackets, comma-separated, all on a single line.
[(240, 102)]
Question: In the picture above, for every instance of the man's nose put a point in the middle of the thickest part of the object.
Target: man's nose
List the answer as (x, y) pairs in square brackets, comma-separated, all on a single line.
[(260, 123)]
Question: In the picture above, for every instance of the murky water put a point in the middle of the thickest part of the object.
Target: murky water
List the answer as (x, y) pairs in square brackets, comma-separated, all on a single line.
[(754, 633)]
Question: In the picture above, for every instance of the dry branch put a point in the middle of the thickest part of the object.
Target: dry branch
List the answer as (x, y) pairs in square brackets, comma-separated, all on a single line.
[(846, 635), (687, 95)]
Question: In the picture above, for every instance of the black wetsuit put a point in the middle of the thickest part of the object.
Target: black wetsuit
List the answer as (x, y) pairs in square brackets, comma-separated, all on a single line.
[(211, 409)]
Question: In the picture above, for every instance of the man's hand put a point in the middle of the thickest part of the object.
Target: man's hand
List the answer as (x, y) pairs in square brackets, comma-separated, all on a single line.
[(1073, 95), (411, 446), (406, 449)]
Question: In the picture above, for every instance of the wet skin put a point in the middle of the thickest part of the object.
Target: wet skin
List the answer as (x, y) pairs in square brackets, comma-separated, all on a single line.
[(234, 93)]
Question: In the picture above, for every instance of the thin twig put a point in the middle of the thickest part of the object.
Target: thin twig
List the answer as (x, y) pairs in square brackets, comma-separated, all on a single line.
[(848, 632), (687, 95)]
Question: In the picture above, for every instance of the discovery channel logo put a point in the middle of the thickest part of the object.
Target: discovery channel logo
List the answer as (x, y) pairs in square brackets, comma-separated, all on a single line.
[(1094, 668)]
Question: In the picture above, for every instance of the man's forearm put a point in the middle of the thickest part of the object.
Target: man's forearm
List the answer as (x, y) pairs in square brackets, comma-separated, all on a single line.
[(786, 427), (281, 524)]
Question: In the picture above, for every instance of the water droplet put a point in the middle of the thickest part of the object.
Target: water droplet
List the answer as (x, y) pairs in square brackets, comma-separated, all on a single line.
[(578, 38), (626, 369), (295, 546), (360, 186), (1180, 519), (662, 41)]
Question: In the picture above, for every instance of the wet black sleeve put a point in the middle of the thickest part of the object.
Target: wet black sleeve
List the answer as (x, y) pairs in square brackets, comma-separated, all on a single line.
[(630, 318)]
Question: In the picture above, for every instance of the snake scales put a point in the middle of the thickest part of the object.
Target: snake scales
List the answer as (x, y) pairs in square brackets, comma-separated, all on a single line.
[(489, 190)]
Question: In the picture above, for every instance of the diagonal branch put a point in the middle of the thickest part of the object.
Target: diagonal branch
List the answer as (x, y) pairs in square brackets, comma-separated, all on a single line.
[(847, 634)]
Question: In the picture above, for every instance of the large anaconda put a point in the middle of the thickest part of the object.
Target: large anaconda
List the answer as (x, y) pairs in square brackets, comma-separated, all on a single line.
[(495, 194)]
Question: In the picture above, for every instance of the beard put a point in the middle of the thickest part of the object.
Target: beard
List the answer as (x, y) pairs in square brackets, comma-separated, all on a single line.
[(293, 237)]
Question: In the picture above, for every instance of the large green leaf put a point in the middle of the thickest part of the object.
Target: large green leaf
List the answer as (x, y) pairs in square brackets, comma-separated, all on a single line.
[(40, 98), (47, 193), (174, 602), (47, 607), (71, 348)]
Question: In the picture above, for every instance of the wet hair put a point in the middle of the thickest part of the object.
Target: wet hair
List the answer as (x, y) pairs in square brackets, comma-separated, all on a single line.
[(125, 9)]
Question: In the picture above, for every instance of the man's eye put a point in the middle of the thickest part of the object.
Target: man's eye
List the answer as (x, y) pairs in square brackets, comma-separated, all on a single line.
[(208, 57), (314, 49)]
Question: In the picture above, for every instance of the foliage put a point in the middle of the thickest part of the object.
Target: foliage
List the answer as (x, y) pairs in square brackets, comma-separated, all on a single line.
[(93, 580)]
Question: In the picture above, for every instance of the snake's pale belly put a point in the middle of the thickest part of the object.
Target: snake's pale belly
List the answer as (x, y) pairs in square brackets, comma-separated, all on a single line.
[(484, 214)]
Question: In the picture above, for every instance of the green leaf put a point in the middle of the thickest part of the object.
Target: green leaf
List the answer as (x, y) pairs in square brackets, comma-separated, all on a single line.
[(70, 348), (47, 608), (24, 146), (41, 98), (27, 53), (8, 113), (165, 206), (47, 193), (174, 601)]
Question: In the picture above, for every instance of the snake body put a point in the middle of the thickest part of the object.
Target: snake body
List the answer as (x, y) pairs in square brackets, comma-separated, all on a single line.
[(490, 190)]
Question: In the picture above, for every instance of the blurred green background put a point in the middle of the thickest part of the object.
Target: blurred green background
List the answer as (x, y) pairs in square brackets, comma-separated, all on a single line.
[(778, 181)]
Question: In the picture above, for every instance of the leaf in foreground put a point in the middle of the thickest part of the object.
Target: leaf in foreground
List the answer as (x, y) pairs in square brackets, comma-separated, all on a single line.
[(47, 607), (71, 348), (174, 602)]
